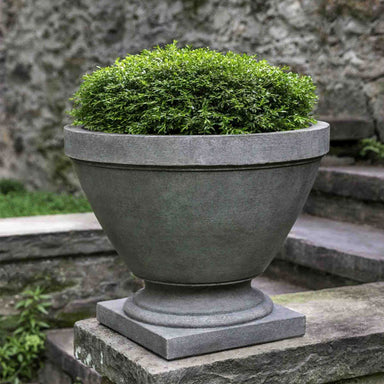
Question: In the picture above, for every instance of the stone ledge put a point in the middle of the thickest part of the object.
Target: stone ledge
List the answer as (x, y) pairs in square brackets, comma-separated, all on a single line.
[(343, 249), (358, 182), (345, 209), (346, 128), (58, 238), (344, 339), (349, 193), (49, 236)]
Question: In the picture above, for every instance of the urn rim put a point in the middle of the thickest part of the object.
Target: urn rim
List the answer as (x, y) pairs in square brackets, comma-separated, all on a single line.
[(197, 150)]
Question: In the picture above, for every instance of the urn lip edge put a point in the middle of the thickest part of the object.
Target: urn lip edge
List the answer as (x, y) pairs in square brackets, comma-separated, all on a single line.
[(197, 150)]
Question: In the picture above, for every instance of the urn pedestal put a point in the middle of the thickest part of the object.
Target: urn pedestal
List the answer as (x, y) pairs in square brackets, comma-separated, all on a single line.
[(197, 217)]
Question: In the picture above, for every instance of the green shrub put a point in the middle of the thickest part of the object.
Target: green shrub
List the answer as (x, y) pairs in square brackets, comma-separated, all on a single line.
[(372, 149), (11, 186), (21, 352), (189, 91)]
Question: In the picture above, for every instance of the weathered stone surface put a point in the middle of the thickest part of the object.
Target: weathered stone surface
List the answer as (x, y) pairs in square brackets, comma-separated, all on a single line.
[(359, 182), (349, 193), (345, 209), (48, 46), (51, 374), (62, 363), (349, 129), (284, 276), (75, 284), (371, 379), (344, 339), (195, 150), (343, 249), (332, 160), (67, 255), (375, 93), (187, 217), (60, 341), (38, 237)]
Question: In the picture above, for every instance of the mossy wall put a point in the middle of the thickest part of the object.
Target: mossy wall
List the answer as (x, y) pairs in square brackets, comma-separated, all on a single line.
[(75, 285), (47, 44)]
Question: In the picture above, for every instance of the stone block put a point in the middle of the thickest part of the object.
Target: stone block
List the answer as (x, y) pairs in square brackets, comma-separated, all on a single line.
[(344, 339), (346, 128), (61, 366)]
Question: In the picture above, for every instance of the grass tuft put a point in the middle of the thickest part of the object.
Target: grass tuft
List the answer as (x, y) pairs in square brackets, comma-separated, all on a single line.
[(19, 202)]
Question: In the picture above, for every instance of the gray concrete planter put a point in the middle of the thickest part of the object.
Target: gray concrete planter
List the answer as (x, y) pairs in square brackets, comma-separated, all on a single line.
[(197, 217)]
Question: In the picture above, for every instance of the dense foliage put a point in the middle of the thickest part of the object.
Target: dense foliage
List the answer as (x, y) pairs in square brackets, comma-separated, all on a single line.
[(372, 149), (21, 352), (11, 186), (175, 90), (15, 200)]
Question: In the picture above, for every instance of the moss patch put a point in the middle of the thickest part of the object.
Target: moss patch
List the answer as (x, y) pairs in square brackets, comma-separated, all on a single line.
[(359, 9), (64, 320)]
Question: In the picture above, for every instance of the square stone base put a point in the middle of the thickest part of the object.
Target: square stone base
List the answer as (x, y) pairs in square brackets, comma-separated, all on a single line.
[(174, 343)]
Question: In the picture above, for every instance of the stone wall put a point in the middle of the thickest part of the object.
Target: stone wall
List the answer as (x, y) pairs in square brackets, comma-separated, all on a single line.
[(48, 44), (69, 257)]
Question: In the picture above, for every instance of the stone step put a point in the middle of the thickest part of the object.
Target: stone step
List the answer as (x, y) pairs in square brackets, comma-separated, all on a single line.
[(344, 340), (338, 248), (61, 367), (67, 255), (349, 129), (349, 193), (56, 252), (40, 237)]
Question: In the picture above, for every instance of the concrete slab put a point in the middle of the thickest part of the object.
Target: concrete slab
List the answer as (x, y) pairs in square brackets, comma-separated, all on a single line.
[(344, 339)]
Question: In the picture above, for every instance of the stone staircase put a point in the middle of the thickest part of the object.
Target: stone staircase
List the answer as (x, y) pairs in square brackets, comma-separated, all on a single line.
[(342, 229), (337, 241), (353, 251), (349, 193)]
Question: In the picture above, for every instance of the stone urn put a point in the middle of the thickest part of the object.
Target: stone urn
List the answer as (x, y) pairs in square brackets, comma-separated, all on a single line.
[(197, 218)]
